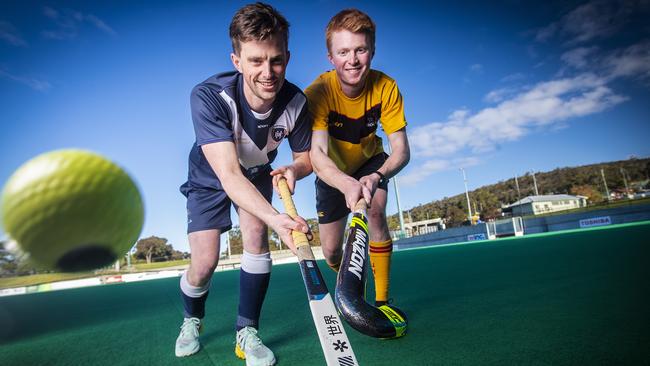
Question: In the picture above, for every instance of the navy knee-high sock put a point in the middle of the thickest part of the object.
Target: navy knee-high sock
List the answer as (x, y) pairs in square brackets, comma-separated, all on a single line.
[(254, 276), (193, 298)]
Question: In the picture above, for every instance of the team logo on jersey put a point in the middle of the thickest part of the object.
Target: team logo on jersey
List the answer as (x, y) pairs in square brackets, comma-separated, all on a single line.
[(372, 116), (371, 121), (278, 133)]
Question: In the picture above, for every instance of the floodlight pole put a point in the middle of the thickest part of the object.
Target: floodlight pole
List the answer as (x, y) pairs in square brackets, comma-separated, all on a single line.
[(602, 174), (399, 208), (518, 192), (228, 243), (535, 183), (129, 254), (627, 190), (469, 206)]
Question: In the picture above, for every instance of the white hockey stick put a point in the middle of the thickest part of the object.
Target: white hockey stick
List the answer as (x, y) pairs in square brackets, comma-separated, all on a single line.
[(333, 339)]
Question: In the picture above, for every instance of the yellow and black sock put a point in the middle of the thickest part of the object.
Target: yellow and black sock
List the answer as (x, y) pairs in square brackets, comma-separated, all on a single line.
[(380, 254)]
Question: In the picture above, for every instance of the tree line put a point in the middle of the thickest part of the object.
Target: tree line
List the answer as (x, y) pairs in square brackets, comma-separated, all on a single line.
[(149, 250), (156, 249), (583, 180)]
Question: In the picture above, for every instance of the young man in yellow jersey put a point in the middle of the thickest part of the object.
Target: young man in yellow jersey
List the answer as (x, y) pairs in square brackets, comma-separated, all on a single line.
[(347, 105)]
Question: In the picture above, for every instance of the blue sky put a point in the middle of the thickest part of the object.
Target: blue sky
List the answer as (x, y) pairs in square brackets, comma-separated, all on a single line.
[(498, 89)]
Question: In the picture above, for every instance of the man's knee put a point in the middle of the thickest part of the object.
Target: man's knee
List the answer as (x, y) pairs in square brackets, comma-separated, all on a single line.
[(331, 237), (377, 218), (255, 235), (332, 255), (200, 273), (378, 225), (254, 230)]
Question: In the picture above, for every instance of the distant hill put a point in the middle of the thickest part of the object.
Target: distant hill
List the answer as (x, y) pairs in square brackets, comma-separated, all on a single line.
[(583, 180)]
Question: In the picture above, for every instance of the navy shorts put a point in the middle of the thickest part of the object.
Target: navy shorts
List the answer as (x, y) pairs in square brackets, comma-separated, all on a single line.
[(330, 202), (209, 208)]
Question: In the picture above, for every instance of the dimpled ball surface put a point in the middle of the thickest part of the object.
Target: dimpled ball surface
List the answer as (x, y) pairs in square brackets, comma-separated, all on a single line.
[(72, 210)]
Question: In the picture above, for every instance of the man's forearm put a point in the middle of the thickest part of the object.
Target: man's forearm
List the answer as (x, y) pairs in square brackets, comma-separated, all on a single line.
[(244, 194), (302, 166), (393, 165), (324, 167), (399, 157), (328, 172)]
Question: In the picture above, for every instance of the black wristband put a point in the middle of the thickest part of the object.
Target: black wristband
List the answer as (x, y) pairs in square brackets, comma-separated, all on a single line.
[(382, 177)]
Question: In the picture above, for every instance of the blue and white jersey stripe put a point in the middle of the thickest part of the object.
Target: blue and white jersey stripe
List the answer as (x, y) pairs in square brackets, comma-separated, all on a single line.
[(220, 113)]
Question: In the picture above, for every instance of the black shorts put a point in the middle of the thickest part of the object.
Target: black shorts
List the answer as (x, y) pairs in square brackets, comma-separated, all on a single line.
[(330, 202)]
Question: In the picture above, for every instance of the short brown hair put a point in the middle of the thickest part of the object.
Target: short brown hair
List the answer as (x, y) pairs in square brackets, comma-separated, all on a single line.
[(257, 22), (352, 20)]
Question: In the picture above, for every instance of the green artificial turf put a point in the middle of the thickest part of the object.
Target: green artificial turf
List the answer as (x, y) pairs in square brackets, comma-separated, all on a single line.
[(571, 298)]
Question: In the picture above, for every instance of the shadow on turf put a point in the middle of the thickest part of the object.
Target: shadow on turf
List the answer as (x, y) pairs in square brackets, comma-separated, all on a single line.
[(38, 314)]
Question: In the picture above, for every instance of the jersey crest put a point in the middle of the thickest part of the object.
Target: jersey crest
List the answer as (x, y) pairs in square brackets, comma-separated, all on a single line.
[(278, 133)]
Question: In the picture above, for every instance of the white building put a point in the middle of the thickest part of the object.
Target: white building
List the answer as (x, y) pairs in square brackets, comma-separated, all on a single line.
[(418, 228), (535, 205)]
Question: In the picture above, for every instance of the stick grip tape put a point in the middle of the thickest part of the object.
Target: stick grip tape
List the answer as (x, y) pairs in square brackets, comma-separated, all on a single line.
[(361, 206), (299, 239)]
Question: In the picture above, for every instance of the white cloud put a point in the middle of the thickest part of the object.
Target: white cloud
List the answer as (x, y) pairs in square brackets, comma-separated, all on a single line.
[(500, 94), (598, 19), (633, 61), (100, 24), (67, 23), (36, 84), (518, 76), (514, 111), (472, 70), (578, 57), (546, 33), (594, 20), (466, 162), (477, 68), (544, 105), (9, 34), (417, 175), (50, 13)]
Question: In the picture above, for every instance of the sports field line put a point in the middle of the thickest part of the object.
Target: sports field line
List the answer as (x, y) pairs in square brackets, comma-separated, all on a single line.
[(530, 236)]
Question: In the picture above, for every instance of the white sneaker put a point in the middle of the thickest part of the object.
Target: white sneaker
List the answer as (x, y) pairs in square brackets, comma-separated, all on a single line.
[(187, 342), (250, 348)]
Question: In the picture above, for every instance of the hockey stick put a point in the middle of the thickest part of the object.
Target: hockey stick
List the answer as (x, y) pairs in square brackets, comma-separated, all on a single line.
[(333, 339), (386, 321)]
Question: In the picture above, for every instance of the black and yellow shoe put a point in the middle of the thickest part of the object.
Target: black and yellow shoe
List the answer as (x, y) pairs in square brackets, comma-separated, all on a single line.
[(395, 315)]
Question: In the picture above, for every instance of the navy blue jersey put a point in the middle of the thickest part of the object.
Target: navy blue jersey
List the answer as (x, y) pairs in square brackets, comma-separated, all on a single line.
[(220, 113)]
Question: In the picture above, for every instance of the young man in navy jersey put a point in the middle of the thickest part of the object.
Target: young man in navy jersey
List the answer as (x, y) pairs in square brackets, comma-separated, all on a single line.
[(240, 118)]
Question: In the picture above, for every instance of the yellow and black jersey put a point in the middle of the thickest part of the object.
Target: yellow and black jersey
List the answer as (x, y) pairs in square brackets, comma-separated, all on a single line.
[(352, 122)]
